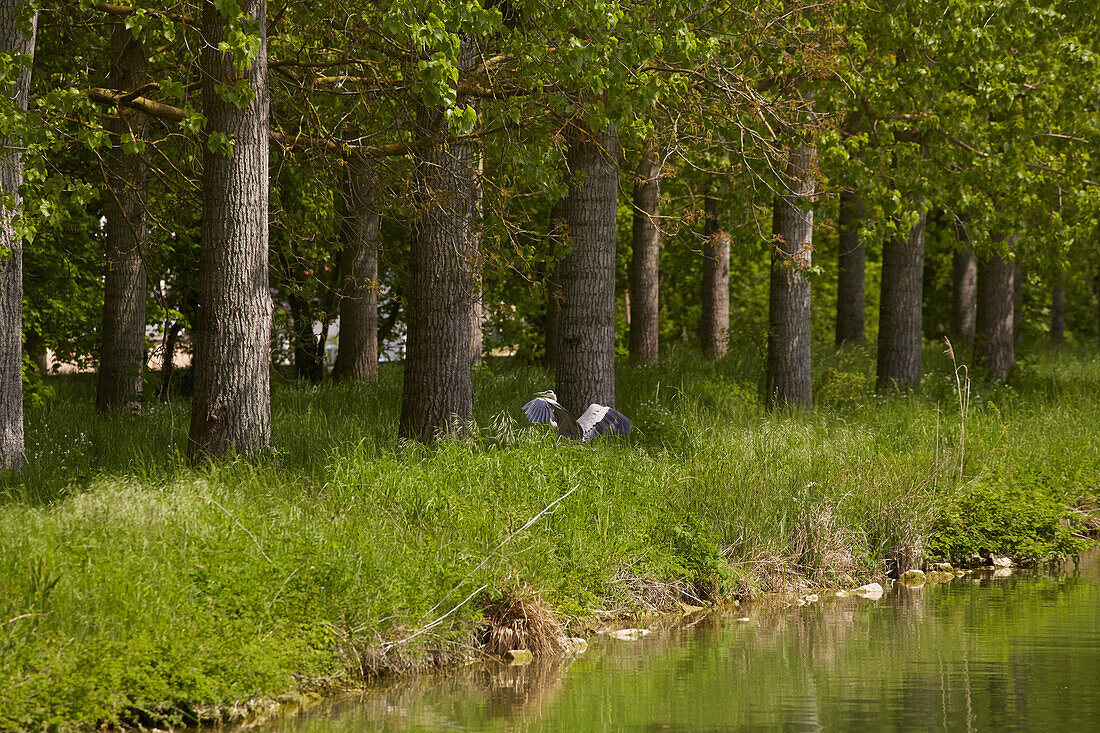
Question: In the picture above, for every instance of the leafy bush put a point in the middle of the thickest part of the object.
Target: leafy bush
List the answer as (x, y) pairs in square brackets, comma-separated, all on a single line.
[(1018, 516)]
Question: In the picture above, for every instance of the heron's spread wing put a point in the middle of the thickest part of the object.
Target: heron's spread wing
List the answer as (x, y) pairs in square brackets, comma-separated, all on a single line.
[(600, 419), (566, 426), (538, 410)]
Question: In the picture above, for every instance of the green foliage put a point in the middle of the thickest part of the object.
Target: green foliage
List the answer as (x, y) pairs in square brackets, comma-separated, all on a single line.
[(35, 390), (691, 552), (1022, 516), (133, 583), (141, 583)]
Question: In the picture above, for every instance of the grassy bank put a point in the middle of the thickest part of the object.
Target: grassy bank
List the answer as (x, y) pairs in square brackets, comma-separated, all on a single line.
[(133, 586)]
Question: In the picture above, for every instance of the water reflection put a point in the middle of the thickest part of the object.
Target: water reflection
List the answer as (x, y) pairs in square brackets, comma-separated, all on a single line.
[(1016, 652)]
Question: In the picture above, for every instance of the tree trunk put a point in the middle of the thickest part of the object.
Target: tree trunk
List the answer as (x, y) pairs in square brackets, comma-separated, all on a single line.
[(319, 351), (357, 357), (788, 375), (899, 329), (850, 295), (303, 340), (477, 336), (231, 408), (122, 351), (1096, 289), (168, 366), (476, 215), (553, 302), (12, 41), (1058, 308), (714, 325), (994, 342), (586, 317), (965, 295), (559, 237), (438, 395), (644, 273), (1017, 299)]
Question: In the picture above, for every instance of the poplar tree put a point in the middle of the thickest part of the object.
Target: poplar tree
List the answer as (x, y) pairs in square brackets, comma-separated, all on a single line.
[(645, 256), (357, 358), (18, 25), (122, 350), (231, 407), (714, 325), (788, 375)]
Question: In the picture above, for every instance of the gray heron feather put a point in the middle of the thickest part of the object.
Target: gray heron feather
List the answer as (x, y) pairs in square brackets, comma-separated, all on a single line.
[(596, 420)]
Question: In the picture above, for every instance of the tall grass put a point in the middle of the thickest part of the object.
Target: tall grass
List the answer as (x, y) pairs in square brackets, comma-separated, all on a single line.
[(131, 583)]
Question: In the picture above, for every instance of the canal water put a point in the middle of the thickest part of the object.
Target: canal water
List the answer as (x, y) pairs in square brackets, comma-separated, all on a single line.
[(1018, 650)]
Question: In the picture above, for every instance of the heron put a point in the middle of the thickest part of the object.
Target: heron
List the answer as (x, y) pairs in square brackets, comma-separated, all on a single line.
[(596, 420)]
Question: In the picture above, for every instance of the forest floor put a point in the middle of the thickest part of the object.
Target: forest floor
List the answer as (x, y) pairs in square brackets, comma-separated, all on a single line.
[(134, 588)]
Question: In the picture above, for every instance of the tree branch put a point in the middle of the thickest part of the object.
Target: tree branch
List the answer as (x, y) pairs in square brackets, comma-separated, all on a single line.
[(133, 100), (122, 11)]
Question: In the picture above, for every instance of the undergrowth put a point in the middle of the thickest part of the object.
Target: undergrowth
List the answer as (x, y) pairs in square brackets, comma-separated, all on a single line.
[(136, 589)]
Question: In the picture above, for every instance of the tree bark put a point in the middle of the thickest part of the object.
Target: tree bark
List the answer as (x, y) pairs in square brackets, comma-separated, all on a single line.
[(899, 330), (586, 316), (1058, 308), (994, 342), (788, 378), (850, 296), (1017, 300), (357, 357), (438, 395), (644, 262), (553, 300), (122, 351), (231, 408), (714, 324), (477, 336), (559, 236), (964, 295), (12, 41), (1096, 289)]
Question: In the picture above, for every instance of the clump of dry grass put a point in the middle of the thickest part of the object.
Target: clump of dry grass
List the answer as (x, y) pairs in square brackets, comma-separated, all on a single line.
[(518, 618), (822, 546), (906, 551), (773, 572), (650, 594), (899, 533), (1087, 510), (378, 660), (377, 657)]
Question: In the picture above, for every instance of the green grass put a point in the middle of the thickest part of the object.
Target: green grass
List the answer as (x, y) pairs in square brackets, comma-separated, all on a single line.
[(130, 582)]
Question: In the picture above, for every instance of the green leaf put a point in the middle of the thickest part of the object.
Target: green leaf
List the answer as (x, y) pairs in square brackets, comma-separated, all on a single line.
[(131, 145), (219, 142)]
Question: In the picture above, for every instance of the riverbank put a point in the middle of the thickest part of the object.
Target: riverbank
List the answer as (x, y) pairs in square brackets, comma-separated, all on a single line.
[(136, 589), (989, 651)]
